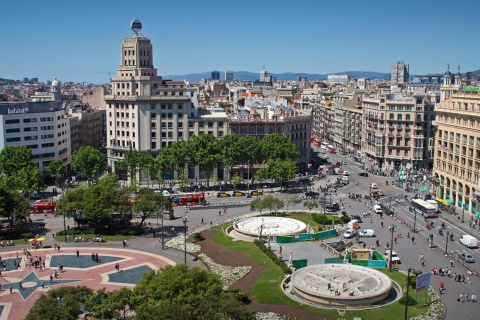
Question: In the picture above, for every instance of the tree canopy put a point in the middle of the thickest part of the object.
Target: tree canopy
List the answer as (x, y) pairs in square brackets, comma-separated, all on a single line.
[(17, 170), (14, 205), (88, 162)]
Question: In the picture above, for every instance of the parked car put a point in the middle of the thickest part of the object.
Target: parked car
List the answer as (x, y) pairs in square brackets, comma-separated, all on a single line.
[(350, 233), (338, 164), (238, 194), (395, 257), (367, 233), (357, 217), (466, 257), (346, 173), (363, 174), (256, 193), (312, 194), (222, 194)]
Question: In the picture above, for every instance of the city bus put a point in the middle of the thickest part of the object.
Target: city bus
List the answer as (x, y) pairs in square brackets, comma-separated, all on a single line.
[(188, 199), (424, 208), (44, 206)]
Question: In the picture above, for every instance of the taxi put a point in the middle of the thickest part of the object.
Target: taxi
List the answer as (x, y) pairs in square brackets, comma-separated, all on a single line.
[(256, 193), (238, 194), (222, 194)]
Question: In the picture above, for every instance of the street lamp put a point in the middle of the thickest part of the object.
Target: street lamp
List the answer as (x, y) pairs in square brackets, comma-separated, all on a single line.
[(446, 244), (185, 238), (161, 212), (392, 230), (64, 222), (463, 212), (415, 220), (406, 297)]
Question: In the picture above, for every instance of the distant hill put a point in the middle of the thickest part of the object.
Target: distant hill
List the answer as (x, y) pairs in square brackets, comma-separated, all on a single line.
[(251, 76)]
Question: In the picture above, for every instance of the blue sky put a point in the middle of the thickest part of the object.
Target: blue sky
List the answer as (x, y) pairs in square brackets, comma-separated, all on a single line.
[(77, 40)]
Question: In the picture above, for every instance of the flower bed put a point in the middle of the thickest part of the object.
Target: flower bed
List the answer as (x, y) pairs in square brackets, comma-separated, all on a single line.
[(229, 275)]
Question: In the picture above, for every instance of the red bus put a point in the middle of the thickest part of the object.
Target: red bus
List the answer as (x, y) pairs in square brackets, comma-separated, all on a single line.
[(44, 206), (188, 199)]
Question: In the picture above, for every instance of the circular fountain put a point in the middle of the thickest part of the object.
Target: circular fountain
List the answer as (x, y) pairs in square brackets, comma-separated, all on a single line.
[(264, 227), (355, 285)]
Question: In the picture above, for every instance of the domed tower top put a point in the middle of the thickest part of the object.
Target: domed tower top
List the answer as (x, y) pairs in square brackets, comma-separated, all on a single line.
[(458, 77), (448, 76)]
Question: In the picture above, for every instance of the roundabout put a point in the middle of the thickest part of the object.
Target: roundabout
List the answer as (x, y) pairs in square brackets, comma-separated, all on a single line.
[(265, 227)]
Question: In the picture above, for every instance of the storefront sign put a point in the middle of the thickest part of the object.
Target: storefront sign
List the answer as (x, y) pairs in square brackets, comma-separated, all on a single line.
[(471, 88), (16, 110)]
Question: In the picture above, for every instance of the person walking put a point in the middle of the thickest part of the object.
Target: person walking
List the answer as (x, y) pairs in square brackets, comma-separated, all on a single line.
[(202, 221), (117, 267), (78, 254), (474, 297), (413, 240)]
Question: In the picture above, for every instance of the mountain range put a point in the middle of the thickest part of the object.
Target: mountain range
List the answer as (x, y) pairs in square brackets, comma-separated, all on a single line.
[(251, 76)]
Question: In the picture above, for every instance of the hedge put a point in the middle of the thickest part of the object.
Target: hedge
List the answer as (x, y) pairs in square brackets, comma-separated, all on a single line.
[(273, 257)]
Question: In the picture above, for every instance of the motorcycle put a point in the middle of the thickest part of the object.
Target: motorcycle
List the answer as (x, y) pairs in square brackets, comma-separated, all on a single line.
[(440, 231), (451, 237)]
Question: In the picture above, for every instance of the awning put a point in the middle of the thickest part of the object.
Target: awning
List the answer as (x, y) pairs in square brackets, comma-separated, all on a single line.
[(442, 201)]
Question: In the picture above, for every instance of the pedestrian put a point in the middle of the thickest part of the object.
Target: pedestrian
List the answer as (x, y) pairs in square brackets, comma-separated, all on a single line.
[(381, 223), (58, 248), (408, 234), (51, 278), (467, 297), (364, 245), (395, 240), (124, 243), (463, 278), (371, 219), (11, 289), (474, 297), (96, 257), (468, 280), (43, 285), (455, 277), (413, 240), (78, 254), (225, 209), (451, 263), (20, 285), (377, 243), (219, 212), (202, 221), (442, 285), (117, 267), (93, 256), (460, 298)]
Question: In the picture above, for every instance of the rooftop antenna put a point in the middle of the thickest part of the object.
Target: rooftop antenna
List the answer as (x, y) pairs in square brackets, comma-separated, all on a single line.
[(459, 69), (136, 26), (448, 66)]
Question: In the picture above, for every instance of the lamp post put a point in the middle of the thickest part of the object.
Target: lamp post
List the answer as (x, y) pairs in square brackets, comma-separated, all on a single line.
[(64, 222), (392, 230), (463, 212), (446, 244), (415, 220), (406, 297), (185, 238), (161, 212)]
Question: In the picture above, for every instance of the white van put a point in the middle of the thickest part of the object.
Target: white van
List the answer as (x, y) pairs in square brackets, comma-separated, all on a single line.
[(353, 224), (377, 209), (324, 145), (373, 186), (468, 241), (345, 179), (367, 233)]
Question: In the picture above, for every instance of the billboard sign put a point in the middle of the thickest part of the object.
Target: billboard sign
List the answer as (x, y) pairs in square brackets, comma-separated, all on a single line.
[(423, 281)]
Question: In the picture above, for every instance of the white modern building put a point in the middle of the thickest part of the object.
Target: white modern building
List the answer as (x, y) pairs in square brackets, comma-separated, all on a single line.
[(40, 126)]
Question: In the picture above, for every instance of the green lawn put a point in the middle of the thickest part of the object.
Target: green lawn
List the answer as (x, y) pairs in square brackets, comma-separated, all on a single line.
[(267, 287)]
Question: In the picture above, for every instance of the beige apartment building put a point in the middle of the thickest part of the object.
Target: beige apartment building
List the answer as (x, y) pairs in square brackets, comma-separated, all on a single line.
[(457, 151), (397, 131)]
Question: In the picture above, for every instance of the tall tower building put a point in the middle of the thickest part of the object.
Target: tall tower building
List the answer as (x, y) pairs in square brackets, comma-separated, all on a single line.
[(144, 112), (263, 75), (228, 76), (400, 72), (215, 75)]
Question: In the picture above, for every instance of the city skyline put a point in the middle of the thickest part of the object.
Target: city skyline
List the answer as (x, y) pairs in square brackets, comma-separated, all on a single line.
[(80, 43)]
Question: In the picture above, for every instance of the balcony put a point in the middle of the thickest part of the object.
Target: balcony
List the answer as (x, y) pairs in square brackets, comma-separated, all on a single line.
[(418, 136), (407, 128), (398, 135), (399, 127), (407, 136), (391, 135)]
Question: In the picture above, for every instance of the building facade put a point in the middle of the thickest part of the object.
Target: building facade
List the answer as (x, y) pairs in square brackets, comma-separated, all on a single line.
[(215, 75), (145, 112), (39, 126), (397, 131), (228, 76), (457, 152)]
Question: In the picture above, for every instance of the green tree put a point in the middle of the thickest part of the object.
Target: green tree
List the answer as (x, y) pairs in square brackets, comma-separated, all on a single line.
[(278, 147), (109, 305), (17, 170), (48, 306), (257, 204), (204, 151), (235, 180), (182, 292), (281, 171), (13, 204), (148, 204), (131, 163), (250, 151), (290, 201), (88, 161), (146, 164), (310, 204), (57, 169), (230, 150)]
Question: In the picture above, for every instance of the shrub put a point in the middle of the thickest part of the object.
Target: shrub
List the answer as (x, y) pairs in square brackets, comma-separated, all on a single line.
[(125, 232), (27, 235), (241, 296), (197, 236), (411, 301), (273, 257)]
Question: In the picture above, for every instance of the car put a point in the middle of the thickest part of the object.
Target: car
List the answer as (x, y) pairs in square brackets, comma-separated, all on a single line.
[(466, 257), (326, 156), (312, 194), (344, 163), (357, 217), (338, 164), (346, 173), (238, 194), (256, 193), (367, 233), (395, 257), (222, 194), (350, 233), (363, 174)]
